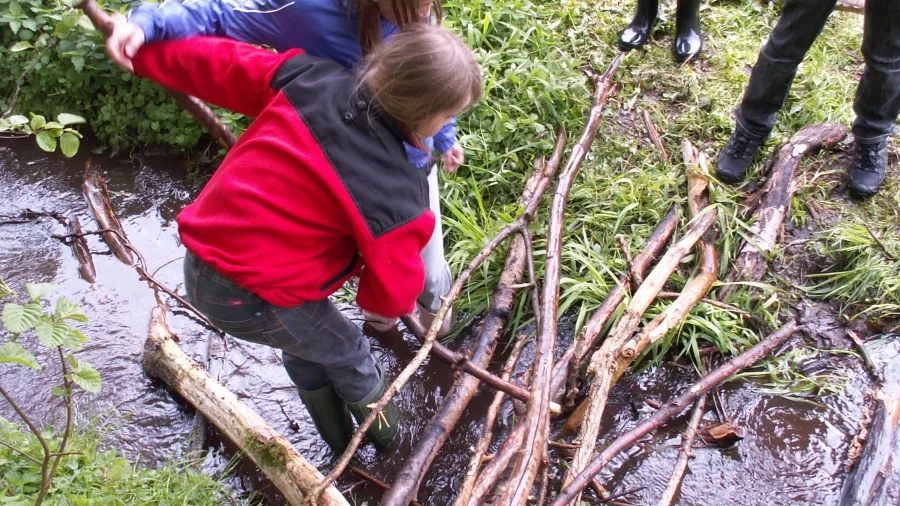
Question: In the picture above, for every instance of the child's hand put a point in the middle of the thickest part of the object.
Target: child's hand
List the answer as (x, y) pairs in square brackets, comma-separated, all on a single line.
[(453, 158), (124, 42)]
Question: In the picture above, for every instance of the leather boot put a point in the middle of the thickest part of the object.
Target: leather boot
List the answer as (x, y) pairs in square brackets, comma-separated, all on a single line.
[(387, 425), (636, 34), (329, 415), (688, 40)]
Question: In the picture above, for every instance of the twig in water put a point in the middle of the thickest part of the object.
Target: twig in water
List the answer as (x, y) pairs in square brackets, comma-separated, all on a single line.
[(380, 484), (621, 495), (866, 358), (687, 442)]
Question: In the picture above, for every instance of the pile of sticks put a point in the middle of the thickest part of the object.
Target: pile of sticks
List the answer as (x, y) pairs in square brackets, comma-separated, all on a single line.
[(518, 472)]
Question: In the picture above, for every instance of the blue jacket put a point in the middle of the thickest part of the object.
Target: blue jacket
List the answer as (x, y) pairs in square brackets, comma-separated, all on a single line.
[(324, 28)]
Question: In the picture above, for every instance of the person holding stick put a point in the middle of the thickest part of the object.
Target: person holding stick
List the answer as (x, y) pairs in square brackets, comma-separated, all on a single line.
[(343, 31), (318, 189)]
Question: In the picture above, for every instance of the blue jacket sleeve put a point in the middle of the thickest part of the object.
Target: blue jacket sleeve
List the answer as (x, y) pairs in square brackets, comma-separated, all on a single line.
[(446, 137), (172, 19)]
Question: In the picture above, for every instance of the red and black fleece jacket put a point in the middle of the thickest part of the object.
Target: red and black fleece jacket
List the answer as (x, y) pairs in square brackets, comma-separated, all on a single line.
[(317, 189)]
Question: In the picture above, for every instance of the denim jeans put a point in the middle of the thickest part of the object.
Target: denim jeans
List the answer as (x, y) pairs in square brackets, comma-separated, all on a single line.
[(877, 101), (318, 344)]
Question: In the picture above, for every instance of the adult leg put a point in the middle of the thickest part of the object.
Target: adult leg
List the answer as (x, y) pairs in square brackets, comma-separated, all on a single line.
[(799, 25), (877, 97)]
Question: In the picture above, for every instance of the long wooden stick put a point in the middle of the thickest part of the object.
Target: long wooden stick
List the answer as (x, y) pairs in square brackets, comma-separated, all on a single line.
[(294, 476), (537, 418), (435, 433), (674, 407), (204, 115), (875, 471), (488, 478), (585, 340), (751, 263), (608, 363), (684, 454)]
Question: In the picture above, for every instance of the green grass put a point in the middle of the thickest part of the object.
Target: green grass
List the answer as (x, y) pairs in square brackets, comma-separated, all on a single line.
[(534, 54), (94, 476)]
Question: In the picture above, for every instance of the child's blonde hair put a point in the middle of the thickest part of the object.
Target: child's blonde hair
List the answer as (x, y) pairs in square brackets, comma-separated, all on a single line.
[(422, 71)]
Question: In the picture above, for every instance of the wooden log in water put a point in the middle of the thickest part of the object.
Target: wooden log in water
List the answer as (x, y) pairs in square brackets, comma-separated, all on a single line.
[(874, 472), (292, 474), (81, 251), (97, 197)]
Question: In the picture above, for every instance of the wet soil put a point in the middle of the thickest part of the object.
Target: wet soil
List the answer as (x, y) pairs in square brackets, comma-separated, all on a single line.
[(793, 451)]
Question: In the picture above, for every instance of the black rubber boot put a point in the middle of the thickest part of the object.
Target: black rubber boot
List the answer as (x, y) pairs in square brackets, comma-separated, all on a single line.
[(868, 167), (688, 39), (636, 34), (330, 416), (387, 425), (738, 154)]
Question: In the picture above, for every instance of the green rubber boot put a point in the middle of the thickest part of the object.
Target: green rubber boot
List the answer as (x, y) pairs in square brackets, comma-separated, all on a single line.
[(330, 416), (387, 425)]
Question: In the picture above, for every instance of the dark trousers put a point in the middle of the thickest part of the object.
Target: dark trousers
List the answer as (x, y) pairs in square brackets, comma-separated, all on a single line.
[(877, 101), (318, 344)]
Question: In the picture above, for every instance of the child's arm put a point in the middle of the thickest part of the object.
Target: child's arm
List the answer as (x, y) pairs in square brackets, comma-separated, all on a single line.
[(394, 273), (223, 72), (259, 23)]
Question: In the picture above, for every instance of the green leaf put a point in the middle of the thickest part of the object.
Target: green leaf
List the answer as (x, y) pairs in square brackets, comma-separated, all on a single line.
[(4, 125), (73, 362), (17, 120), (46, 141), (69, 143), (61, 392), (38, 121), (15, 353), (15, 8), (53, 334), (68, 310), (78, 62), (66, 119), (38, 291), (86, 377), (18, 318), (14, 25), (53, 125), (20, 46), (74, 340)]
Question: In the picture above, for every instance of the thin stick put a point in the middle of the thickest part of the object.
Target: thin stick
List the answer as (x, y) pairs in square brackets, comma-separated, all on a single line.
[(654, 137), (674, 407), (687, 442), (492, 471), (380, 484), (21, 452), (866, 358), (537, 418), (633, 276), (888, 253), (69, 418), (465, 491)]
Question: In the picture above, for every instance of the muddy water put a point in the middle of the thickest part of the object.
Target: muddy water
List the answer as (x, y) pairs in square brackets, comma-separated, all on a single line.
[(793, 452)]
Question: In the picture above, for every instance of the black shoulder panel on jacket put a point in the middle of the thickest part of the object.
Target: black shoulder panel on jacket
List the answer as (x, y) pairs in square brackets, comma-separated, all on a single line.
[(364, 149)]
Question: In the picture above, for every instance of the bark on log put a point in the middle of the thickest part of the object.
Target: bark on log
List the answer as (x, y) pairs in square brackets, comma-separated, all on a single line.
[(875, 472), (674, 407), (204, 115), (608, 363), (97, 197), (751, 263), (585, 340), (684, 454), (409, 478), (288, 470), (537, 418)]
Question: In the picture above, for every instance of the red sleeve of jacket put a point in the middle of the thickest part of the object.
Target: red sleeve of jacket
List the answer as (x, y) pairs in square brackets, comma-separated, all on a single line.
[(230, 74), (394, 273)]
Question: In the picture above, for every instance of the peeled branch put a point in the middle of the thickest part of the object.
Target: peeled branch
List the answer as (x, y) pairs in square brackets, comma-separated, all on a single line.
[(687, 442), (751, 263), (292, 474), (673, 408)]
